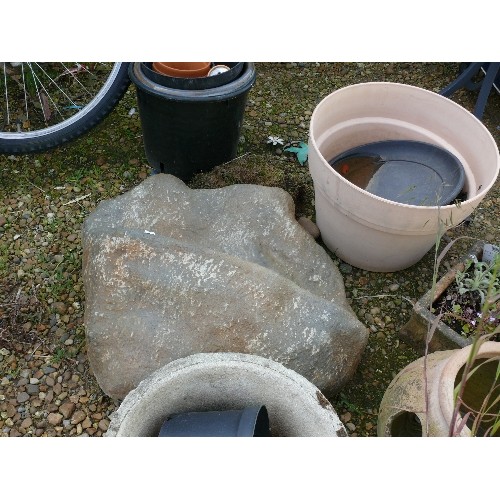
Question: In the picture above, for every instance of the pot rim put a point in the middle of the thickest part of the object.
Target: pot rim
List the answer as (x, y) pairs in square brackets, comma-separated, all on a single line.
[(449, 373), (243, 83), (433, 95)]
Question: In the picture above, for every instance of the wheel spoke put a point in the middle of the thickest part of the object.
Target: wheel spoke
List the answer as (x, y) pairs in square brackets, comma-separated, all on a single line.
[(6, 94), (38, 93), (46, 104), (51, 80), (25, 93)]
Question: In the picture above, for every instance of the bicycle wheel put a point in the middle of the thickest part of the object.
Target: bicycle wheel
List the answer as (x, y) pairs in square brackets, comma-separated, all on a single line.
[(44, 105)]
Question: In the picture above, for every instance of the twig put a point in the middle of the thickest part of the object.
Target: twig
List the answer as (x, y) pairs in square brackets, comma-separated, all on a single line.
[(234, 159), (76, 200), (34, 185), (34, 350), (383, 295)]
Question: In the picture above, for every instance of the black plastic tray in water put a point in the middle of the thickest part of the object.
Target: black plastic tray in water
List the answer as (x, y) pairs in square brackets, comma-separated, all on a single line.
[(409, 172), (200, 83)]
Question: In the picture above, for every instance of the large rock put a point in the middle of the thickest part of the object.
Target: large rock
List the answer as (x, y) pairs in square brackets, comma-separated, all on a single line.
[(171, 271)]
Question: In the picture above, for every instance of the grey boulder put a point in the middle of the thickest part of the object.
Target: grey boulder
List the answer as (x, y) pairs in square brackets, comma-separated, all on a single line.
[(171, 271)]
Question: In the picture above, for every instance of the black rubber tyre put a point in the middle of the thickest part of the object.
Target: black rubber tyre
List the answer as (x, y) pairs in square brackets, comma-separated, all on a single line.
[(80, 123)]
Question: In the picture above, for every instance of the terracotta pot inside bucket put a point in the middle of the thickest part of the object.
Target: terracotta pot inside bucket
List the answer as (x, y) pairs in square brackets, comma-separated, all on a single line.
[(182, 69)]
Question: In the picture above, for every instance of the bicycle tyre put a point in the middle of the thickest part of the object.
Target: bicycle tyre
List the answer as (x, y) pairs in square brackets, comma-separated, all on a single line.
[(80, 123)]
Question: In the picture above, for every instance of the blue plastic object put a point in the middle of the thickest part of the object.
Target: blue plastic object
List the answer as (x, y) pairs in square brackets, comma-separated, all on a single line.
[(249, 422), (491, 79)]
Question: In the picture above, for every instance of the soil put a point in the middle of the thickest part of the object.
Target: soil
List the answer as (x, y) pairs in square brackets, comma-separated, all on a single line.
[(467, 320)]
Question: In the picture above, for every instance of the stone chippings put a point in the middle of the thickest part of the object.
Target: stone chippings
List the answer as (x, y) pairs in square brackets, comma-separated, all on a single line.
[(60, 407), (171, 271), (40, 223)]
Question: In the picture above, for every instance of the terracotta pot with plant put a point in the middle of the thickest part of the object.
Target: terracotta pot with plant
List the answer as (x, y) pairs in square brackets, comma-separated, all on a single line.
[(454, 306), (453, 392)]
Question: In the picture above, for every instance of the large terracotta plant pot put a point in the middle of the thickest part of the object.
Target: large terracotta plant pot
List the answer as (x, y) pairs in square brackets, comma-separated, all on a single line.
[(402, 410), (366, 230)]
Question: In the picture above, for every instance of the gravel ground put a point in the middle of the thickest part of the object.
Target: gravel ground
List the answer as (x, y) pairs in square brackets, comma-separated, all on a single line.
[(46, 385)]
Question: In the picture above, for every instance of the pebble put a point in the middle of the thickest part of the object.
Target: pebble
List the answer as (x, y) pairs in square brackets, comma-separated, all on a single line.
[(350, 426), (54, 418), (67, 409), (22, 382), (103, 424), (345, 268), (27, 422), (11, 410), (22, 397), (32, 389), (310, 227), (60, 307), (78, 416), (346, 417)]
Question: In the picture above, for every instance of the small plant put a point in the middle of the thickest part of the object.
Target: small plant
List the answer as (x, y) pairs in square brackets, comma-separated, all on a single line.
[(351, 407), (472, 299), (59, 355), (481, 278), (480, 317)]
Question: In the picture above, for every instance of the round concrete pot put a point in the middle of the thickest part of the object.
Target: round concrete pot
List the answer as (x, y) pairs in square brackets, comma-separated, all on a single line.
[(227, 381), (366, 230), (402, 409)]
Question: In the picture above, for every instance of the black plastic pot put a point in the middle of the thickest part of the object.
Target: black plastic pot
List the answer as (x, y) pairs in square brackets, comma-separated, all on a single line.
[(207, 82), (249, 422), (191, 131)]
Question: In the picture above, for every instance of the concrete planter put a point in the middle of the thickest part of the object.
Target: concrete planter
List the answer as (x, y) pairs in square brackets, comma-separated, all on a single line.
[(414, 332), (227, 381)]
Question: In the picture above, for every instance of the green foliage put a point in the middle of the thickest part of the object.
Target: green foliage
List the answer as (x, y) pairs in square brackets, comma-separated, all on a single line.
[(59, 355), (351, 407), (481, 278), (4, 256)]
